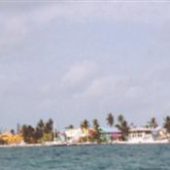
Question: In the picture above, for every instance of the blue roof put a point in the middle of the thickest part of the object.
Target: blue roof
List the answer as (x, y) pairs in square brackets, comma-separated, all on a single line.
[(110, 130)]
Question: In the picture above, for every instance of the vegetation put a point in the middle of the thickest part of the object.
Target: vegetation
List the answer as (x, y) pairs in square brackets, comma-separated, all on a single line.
[(96, 127), (167, 124), (41, 133), (123, 126), (44, 131), (153, 123), (70, 127), (110, 119), (85, 124)]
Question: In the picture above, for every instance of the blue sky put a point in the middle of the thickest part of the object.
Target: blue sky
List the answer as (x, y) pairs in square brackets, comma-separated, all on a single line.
[(71, 60)]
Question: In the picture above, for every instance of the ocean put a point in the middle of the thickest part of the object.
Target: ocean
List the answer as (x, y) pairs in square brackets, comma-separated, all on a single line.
[(96, 157)]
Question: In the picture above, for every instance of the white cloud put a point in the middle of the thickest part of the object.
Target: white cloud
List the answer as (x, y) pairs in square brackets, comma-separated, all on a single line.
[(116, 11), (105, 87), (13, 31), (16, 24), (37, 87), (79, 74)]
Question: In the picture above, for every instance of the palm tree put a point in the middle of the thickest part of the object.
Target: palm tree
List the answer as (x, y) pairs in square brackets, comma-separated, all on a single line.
[(85, 124), (110, 119), (48, 134), (120, 118), (70, 127), (40, 128), (38, 134), (153, 123), (96, 127), (167, 124), (49, 126), (96, 124), (123, 126), (40, 124), (28, 133)]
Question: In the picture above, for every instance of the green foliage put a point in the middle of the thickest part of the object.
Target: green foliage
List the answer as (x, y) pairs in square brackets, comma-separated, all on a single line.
[(48, 126), (47, 137), (41, 133), (167, 124), (97, 135), (28, 133), (110, 119), (120, 119), (123, 126), (70, 127), (85, 124), (153, 123)]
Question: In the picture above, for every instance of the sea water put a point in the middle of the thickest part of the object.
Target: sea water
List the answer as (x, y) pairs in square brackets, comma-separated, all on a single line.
[(98, 157)]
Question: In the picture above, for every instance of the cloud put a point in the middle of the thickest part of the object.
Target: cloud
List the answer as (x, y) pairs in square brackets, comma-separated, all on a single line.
[(13, 32), (117, 74), (18, 25), (79, 73), (105, 87), (123, 11)]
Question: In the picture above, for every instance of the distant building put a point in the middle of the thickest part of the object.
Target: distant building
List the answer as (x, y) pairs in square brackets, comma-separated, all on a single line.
[(77, 135), (9, 138), (160, 134), (140, 135), (147, 135), (110, 135)]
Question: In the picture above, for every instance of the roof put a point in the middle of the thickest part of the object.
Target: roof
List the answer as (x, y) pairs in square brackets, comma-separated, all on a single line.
[(141, 129), (110, 130)]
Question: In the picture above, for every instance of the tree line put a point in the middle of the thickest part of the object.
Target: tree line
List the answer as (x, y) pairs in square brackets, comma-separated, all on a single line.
[(44, 131), (41, 133)]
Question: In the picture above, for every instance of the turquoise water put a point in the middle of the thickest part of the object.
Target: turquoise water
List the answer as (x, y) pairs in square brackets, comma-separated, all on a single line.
[(100, 157)]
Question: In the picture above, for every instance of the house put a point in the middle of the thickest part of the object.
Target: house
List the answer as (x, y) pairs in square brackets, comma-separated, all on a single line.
[(140, 135), (148, 135), (160, 134), (110, 135), (79, 135), (9, 138)]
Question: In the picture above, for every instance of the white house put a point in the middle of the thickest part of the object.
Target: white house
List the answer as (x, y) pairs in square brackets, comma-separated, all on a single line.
[(74, 135), (140, 135), (147, 135)]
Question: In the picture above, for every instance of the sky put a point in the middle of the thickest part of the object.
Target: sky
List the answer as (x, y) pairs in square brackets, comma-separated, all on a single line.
[(76, 60)]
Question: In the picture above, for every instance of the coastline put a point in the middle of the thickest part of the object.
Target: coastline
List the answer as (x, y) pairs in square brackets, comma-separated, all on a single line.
[(82, 144)]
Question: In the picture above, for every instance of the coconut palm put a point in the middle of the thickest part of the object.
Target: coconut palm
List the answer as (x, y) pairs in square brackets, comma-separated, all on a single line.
[(96, 127), (96, 124), (40, 128), (70, 127), (40, 124), (120, 118), (153, 123), (28, 133), (167, 124), (123, 126), (49, 126), (85, 124), (110, 119)]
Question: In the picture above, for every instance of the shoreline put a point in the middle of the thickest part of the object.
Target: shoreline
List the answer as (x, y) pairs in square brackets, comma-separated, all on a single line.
[(81, 144)]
